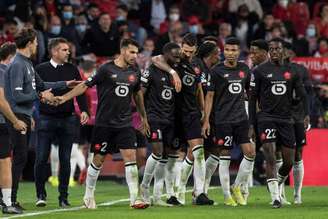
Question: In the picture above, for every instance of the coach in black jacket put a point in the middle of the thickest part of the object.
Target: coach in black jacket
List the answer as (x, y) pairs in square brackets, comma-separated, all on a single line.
[(57, 122)]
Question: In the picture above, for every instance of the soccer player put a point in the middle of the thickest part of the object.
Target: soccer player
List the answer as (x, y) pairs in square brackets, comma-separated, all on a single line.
[(272, 86), (159, 101), (117, 82), (228, 84), (189, 105), (301, 124), (7, 52)]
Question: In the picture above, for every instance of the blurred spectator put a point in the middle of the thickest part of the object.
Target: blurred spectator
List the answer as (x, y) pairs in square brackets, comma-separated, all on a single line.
[(322, 48), (322, 21), (93, 13), (195, 27), (9, 30), (40, 19), (198, 8), (101, 39), (253, 6), (144, 58), (67, 15), (51, 7), (280, 10), (262, 31), (54, 28), (225, 30), (173, 35), (299, 16), (311, 37), (107, 6), (138, 33), (158, 14), (174, 16)]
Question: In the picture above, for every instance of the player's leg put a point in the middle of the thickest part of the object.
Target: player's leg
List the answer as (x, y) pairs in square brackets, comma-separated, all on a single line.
[(246, 166), (186, 170), (152, 161), (171, 173), (298, 167), (279, 162)]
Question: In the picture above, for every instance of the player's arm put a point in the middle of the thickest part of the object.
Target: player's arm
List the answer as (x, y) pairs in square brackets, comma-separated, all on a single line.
[(253, 97), (8, 113), (139, 100), (160, 63), (77, 91), (200, 97)]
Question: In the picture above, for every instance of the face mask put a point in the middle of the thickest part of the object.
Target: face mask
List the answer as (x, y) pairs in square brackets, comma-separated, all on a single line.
[(174, 17), (120, 18), (81, 28), (283, 3), (193, 29), (67, 15), (310, 32), (55, 29)]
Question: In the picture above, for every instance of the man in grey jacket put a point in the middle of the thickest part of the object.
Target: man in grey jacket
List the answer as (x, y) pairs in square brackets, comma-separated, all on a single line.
[(22, 85)]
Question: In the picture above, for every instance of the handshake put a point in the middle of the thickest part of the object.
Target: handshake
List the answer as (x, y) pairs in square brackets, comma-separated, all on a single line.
[(48, 98)]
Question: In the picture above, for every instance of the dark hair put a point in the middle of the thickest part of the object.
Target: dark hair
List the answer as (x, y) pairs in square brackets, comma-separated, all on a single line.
[(126, 42), (123, 7), (92, 5), (287, 45), (277, 40), (261, 44), (209, 38), (10, 21), (189, 39), (55, 42), (103, 14), (206, 49), (169, 46), (25, 36), (6, 50), (232, 41)]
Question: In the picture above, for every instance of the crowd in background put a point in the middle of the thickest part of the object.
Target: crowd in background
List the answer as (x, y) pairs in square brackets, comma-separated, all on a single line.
[(94, 28)]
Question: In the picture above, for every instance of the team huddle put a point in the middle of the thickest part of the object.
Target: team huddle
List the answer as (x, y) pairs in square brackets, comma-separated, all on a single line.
[(190, 103), (202, 103)]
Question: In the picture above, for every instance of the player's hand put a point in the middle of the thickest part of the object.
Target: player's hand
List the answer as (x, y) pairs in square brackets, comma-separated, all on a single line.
[(176, 81), (251, 133), (72, 83), (20, 126), (145, 128), (84, 118), (206, 129), (307, 124), (60, 99)]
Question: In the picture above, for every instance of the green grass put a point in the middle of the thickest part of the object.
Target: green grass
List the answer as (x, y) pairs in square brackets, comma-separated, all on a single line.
[(315, 205)]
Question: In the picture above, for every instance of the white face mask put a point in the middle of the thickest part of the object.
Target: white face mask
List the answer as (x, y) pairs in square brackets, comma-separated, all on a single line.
[(174, 17), (283, 3)]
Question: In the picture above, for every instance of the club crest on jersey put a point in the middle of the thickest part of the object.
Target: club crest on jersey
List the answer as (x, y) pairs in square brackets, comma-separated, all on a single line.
[(154, 136), (132, 78), (197, 70), (241, 74), (287, 75), (220, 142)]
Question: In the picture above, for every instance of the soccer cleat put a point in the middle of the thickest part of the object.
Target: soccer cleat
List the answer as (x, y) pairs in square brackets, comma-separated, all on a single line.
[(11, 210), (145, 194), (297, 200), (284, 201), (18, 205), (72, 182), (53, 180), (161, 203), (244, 191), (202, 199), (173, 201), (235, 190), (83, 176), (182, 198), (138, 204), (276, 204), (41, 202), (230, 202), (64, 203), (89, 202)]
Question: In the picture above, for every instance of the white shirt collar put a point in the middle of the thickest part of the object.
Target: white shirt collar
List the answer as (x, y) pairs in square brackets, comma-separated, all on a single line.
[(54, 64)]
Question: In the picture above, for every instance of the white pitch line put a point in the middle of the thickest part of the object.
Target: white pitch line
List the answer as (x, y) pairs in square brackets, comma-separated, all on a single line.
[(75, 208)]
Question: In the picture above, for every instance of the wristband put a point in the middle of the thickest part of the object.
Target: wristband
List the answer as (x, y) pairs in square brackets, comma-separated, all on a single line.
[(171, 72)]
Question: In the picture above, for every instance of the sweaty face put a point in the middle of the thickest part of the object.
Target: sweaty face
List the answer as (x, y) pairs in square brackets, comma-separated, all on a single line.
[(130, 54), (61, 52), (231, 52), (276, 51), (188, 51), (174, 56)]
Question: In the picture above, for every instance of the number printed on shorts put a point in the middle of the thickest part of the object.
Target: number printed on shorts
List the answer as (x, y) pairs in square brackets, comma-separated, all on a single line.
[(228, 141), (122, 90), (270, 133), (103, 147)]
